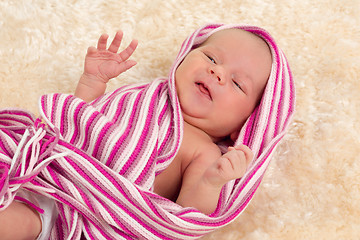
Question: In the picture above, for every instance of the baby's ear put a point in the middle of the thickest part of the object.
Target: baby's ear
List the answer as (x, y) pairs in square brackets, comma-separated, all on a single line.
[(234, 135)]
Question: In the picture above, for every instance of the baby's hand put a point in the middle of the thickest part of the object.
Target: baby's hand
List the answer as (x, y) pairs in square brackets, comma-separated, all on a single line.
[(104, 64), (230, 165)]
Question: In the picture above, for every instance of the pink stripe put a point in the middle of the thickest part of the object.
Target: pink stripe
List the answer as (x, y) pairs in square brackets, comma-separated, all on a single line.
[(65, 105), (154, 209), (4, 184), (5, 146), (167, 135), (132, 121), (87, 229), (119, 107), (88, 128), (27, 117), (272, 100), (250, 126), (100, 136), (10, 120), (110, 195), (144, 136), (162, 148), (292, 95), (77, 117), (102, 190)]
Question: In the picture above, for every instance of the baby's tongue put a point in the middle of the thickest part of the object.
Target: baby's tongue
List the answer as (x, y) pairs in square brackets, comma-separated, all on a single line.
[(204, 90)]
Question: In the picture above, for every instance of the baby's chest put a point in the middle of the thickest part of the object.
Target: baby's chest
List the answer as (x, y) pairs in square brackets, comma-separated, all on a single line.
[(168, 183)]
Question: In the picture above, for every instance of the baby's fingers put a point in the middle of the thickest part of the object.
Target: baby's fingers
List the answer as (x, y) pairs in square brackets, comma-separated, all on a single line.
[(125, 54), (232, 165), (115, 44), (102, 42), (246, 150), (126, 66), (91, 50)]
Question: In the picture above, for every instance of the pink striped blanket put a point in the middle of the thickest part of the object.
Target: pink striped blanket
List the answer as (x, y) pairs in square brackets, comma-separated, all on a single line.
[(99, 160)]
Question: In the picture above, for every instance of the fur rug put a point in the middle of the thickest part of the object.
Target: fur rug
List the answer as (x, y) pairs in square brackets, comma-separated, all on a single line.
[(312, 187)]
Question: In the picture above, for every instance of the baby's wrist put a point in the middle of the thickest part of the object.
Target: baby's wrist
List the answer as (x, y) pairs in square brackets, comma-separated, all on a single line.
[(90, 78), (89, 87), (211, 183), (92, 81)]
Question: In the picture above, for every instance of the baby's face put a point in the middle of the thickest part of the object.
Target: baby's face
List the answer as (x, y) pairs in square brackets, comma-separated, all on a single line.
[(220, 83)]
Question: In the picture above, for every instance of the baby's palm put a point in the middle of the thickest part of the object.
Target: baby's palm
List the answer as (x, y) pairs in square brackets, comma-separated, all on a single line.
[(105, 64)]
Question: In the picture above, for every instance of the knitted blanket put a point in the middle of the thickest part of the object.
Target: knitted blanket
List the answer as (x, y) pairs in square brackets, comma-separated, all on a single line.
[(99, 160)]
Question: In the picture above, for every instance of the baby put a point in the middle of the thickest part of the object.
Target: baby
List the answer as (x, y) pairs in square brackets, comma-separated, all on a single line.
[(218, 84)]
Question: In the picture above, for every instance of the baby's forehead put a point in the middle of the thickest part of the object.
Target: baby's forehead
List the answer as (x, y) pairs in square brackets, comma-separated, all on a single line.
[(218, 37)]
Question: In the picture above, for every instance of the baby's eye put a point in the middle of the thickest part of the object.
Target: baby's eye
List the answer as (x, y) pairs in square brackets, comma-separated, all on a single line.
[(211, 59), (238, 85)]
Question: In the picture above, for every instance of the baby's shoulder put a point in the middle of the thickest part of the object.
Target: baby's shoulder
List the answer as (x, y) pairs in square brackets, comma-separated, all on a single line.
[(197, 146)]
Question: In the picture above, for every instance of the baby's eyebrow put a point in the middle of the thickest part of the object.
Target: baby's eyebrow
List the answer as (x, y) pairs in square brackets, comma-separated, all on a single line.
[(214, 47)]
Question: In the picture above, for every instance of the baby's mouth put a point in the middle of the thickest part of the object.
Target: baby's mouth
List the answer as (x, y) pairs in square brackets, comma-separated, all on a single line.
[(204, 89)]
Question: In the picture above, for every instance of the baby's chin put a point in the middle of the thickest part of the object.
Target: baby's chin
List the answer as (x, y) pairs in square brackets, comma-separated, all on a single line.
[(221, 137)]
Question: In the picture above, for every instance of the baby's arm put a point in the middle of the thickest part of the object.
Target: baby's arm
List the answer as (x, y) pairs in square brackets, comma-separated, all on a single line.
[(201, 188), (102, 64)]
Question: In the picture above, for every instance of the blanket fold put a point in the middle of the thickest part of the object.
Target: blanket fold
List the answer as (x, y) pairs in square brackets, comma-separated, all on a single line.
[(99, 160)]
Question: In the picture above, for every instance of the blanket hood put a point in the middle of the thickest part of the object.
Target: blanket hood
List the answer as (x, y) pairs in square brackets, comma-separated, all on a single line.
[(271, 118)]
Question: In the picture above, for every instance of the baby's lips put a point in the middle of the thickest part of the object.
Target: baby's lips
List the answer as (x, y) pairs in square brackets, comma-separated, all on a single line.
[(204, 89)]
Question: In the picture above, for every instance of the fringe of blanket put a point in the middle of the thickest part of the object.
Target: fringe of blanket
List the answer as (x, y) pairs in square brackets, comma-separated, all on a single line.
[(31, 155)]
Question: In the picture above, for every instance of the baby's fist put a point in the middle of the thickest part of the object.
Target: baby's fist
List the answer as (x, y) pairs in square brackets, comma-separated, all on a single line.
[(231, 165)]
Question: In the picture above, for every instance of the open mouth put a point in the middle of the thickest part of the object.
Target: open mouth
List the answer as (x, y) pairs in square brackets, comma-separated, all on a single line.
[(203, 89)]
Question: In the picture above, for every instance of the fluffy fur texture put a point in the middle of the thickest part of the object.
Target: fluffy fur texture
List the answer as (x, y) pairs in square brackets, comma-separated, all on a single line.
[(311, 189)]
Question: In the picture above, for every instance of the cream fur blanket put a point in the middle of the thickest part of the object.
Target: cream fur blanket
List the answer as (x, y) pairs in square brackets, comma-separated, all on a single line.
[(312, 187)]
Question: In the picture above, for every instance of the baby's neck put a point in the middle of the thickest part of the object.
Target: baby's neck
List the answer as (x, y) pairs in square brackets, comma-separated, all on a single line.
[(200, 132)]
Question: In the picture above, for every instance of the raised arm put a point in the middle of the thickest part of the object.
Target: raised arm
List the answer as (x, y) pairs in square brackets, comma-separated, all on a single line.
[(201, 188), (102, 64)]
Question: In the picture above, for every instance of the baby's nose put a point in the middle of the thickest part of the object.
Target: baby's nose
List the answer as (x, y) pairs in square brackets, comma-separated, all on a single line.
[(215, 75), (218, 75)]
